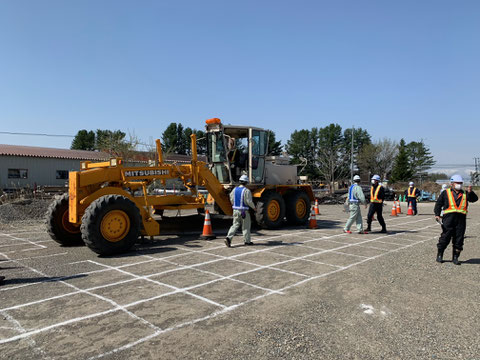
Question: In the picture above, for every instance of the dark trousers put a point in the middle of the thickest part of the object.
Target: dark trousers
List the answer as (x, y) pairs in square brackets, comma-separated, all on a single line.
[(454, 226), (376, 208), (413, 201)]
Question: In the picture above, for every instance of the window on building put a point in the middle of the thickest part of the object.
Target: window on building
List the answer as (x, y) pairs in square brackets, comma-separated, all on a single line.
[(17, 173), (62, 174)]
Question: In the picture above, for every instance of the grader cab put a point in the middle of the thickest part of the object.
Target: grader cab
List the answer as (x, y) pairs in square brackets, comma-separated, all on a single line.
[(233, 151), (108, 205)]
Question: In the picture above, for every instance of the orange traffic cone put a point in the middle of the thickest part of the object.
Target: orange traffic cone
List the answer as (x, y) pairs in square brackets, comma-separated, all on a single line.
[(399, 208), (410, 209), (317, 212), (394, 209), (312, 224), (207, 228)]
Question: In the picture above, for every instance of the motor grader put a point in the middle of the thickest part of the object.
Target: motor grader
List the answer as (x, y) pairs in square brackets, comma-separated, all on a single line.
[(108, 205)]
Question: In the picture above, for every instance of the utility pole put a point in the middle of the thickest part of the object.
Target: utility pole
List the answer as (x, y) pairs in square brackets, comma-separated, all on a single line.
[(351, 159), (476, 175)]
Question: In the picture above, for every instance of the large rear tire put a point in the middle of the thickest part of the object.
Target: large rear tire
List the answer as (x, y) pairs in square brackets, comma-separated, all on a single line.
[(270, 210), (111, 225), (297, 207), (58, 227)]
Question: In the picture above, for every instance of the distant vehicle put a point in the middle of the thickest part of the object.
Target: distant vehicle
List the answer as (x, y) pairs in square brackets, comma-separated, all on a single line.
[(426, 196)]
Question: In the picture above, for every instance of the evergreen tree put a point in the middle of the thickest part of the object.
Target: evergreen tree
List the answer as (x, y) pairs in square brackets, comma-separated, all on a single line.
[(84, 140), (274, 146), (401, 169), (301, 147), (170, 138), (419, 158)]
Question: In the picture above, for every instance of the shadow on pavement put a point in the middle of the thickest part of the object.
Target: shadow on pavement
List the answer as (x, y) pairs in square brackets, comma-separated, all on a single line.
[(41, 279), (472, 261)]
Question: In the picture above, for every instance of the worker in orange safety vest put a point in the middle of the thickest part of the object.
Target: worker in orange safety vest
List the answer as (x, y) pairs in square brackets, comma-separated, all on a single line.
[(412, 193), (454, 203), (377, 195)]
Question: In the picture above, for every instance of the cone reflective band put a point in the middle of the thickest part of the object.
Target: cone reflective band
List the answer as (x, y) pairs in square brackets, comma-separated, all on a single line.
[(312, 224), (394, 209), (410, 209), (399, 208), (207, 227)]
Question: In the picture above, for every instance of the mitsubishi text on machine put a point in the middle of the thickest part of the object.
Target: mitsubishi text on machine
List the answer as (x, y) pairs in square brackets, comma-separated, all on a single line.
[(136, 173)]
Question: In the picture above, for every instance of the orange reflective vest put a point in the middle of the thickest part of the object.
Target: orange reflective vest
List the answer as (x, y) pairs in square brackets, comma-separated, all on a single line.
[(374, 197), (452, 205), (412, 193)]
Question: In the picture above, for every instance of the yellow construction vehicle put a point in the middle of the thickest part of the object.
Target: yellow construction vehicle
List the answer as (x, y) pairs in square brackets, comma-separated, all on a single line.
[(108, 205)]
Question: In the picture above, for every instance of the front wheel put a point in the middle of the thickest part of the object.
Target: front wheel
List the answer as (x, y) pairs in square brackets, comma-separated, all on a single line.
[(59, 227), (111, 225), (270, 210)]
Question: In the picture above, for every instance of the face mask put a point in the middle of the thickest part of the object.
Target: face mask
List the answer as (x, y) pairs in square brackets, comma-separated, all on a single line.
[(458, 186), (373, 182)]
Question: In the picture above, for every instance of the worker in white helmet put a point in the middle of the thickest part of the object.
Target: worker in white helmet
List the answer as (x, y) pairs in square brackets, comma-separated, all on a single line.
[(354, 199), (454, 203), (242, 201), (412, 193), (377, 195)]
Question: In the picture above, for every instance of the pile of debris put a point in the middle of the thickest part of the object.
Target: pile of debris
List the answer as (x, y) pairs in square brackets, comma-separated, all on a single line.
[(332, 199), (24, 210)]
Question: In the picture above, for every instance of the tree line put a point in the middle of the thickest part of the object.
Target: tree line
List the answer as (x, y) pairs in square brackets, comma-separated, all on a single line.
[(324, 154)]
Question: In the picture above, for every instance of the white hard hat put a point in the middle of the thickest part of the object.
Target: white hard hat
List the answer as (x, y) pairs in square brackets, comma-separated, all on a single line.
[(456, 179), (243, 178), (356, 178), (376, 177), (410, 183)]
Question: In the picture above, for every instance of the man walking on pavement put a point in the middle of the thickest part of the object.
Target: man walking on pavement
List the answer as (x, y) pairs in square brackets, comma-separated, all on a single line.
[(412, 193), (377, 195), (454, 203), (242, 201), (355, 198)]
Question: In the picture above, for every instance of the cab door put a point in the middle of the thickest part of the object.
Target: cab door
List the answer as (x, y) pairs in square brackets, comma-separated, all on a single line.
[(258, 143)]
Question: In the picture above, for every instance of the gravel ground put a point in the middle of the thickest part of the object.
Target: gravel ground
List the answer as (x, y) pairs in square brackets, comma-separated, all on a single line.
[(23, 210), (401, 305)]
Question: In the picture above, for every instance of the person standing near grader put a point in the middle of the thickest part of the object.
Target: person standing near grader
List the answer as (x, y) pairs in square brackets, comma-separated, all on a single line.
[(377, 195), (454, 203), (412, 193), (354, 199), (241, 198)]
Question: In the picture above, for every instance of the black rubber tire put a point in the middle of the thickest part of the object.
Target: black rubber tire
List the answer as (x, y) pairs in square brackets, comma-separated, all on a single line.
[(261, 213), (291, 200), (56, 212), (201, 211), (92, 220)]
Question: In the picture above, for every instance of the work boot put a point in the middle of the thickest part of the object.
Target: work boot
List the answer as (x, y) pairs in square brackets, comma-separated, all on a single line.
[(456, 254), (369, 229), (440, 256), (383, 231), (228, 242)]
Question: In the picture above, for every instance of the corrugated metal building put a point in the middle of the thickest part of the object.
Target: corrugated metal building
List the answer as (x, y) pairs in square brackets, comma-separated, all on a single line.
[(27, 166)]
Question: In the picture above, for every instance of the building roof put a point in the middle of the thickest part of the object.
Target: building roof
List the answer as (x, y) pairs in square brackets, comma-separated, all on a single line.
[(34, 151), (43, 152)]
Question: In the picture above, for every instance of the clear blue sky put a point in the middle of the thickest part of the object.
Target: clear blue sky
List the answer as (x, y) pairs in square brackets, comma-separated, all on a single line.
[(396, 68)]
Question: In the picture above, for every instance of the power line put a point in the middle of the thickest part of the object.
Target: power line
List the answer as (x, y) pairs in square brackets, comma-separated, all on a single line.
[(35, 134)]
